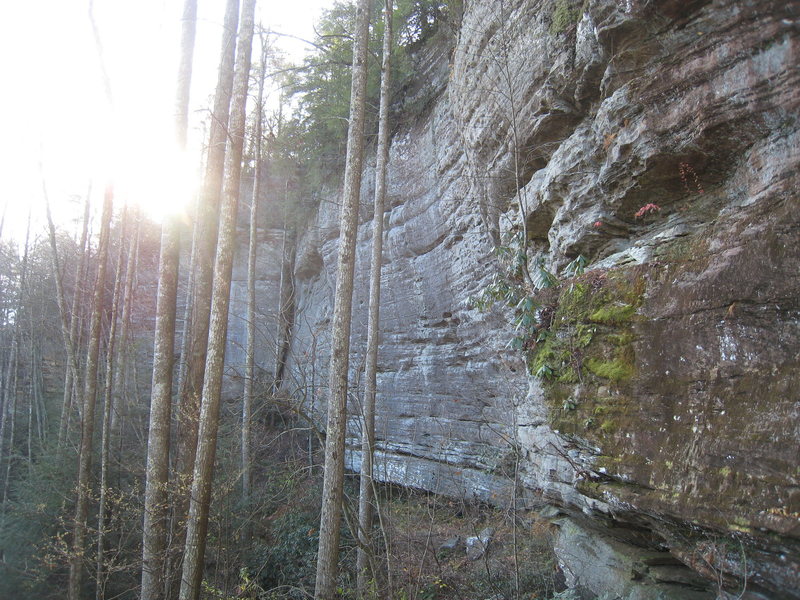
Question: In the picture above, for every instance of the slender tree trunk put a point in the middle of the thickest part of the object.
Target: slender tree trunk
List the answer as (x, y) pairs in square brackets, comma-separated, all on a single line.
[(365, 493), (31, 388), (184, 81), (197, 523), (11, 418), (13, 371), (89, 403), (285, 299), (121, 372), (187, 309), (154, 540), (247, 399), (9, 409), (328, 555), (72, 378), (41, 413), (71, 372), (204, 245), (108, 400), (155, 504)]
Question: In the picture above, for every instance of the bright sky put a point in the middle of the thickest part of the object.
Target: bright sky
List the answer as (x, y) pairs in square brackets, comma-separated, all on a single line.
[(55, 111)]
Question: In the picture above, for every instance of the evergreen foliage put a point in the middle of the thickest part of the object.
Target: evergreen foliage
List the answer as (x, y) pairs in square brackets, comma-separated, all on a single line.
[(321, 85)]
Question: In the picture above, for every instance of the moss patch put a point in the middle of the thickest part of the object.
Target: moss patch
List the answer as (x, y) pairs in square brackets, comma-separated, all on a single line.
[(590, 332), (588, 354), (613, 314), (564, 15), (614, 370), (608, 427)]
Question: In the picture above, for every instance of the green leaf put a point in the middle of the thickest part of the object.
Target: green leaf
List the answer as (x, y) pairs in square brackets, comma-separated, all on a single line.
[(576, 267), (542, 278)]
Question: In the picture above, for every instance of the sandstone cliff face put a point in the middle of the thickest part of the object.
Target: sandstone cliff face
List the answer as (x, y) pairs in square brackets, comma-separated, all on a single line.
[(669, 431)]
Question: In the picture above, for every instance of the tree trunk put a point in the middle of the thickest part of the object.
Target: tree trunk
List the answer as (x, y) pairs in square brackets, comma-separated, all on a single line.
[(204, 244), (108, 399), (154, 533), (328, 555), (121, 372), (285, 300), (10, 405), (187, 309), (249, 376), (31, 385), (365, 493), (89, 402), (71, 372), (197, 523), (157, 473), (73, 377), (10, 393), (41, 411)]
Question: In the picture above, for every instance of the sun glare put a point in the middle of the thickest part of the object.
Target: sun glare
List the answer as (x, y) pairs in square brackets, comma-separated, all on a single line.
[(157, 177)]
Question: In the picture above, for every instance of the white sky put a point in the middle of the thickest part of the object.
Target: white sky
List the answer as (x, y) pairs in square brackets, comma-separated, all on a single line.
[(53, 103)]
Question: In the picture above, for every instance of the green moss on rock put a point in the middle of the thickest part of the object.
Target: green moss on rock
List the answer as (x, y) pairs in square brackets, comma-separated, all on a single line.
[(613, 370), (608, 427), (564, 15), (590, 331), (613, 314)]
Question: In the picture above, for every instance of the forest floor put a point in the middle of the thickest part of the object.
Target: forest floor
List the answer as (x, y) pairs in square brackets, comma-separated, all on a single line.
[(430, 553), (437, 551)]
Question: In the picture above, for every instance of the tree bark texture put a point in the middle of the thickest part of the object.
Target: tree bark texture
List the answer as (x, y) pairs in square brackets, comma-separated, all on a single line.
[(365, 492), (328, 554), (197, 523), (204, 245), (154, 533), (195, 341)]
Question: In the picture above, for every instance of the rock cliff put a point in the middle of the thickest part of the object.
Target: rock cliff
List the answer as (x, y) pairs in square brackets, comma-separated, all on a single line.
[(665, 429)]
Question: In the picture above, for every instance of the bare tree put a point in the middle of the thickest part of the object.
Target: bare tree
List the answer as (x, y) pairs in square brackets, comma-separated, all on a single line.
[(329, 529), (247, 398), (89, 403), (108, 399), (10, 391), (200, 499), (283, 339), (204, 246), (154, 533), (123, 349), (365, 493), (72, 379), (71, 372)]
